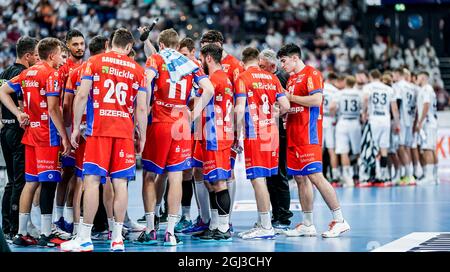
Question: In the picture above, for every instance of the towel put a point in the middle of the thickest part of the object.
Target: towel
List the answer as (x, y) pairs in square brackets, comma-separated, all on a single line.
[(177, 64)]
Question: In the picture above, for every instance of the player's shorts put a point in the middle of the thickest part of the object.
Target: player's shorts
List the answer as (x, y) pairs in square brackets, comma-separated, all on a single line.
[(381, 134), (216, 165), (304, 160), (416, 140), (406, 136), (394, 143), (329, 137), (69, 160), (107, 156), (348, 133), (261, 158), (42, 163), (79, 156), (164, 153), (428, 138)]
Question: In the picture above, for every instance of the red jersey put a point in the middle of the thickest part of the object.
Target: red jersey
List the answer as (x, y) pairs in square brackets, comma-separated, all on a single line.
[(35, 84), (262, 89), (168, 96), (232, 66), (73, 81), (304, 124), (116, 79), (65, 70), (218, 114)]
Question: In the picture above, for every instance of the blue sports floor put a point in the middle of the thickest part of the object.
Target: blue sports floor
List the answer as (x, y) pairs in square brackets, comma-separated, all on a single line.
[(377, 217)]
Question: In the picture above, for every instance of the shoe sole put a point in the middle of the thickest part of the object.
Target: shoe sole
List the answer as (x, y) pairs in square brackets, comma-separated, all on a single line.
[(302, 235), (87, 250), (342, 232), (271, 237), (146, 243)]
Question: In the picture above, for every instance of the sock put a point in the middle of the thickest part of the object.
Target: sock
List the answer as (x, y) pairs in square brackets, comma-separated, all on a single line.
[(402, 171), (150, 220), (224, 223), (75, 228), (203, 199), (337, 215), (46, 224), (59, 212), (266, 222), (117, 231), (308, 218), (172, 220), (110, 224), (214, 222), (81, 219), (231, 185), (335, 173), (84, 231), (435, 172), (158, 210), (186, 198), (346, 171), (186, 212), (23, 221), (409, 170), (69, 215), (429, 169)]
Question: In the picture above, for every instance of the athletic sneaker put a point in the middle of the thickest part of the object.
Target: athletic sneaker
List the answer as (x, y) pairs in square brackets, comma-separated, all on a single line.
[(58, 232), (255, 226), (424, 181), (62, 224), (46, 241), (171, 240), (77, 245), (117, 246), (336, 229), (182, 224), (68, 227), (147, 238), (156, 223), (24, 240), (364, 184), (133, 226), (279, 228), (205, 236), (100, 236), (196, 228), (222, 236), (348, 182), (260, 234), (301, 230), (33, 230), (142, 220)]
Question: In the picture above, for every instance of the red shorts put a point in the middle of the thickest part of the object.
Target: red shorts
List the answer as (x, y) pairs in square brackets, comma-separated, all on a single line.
[(261, 158), (42, 163), (304, 160), (107, 156), (216, 164), (166, 152), (79, 156)]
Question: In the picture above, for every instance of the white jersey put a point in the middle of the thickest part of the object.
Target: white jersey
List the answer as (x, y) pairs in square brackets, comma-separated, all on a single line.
[(380, 98), (349, 102), (408, 95), (329, 92), (427, 95)]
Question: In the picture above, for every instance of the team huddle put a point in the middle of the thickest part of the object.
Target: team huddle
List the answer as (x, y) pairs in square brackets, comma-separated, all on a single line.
[(188, 119)]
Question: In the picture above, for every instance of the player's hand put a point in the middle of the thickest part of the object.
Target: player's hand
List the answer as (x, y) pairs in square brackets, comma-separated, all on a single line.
[(276, 111), (75, 137), (24, 119), (288, 95), (236, 146), (418, 127), (66, 146), (142, 29), (140, 147)]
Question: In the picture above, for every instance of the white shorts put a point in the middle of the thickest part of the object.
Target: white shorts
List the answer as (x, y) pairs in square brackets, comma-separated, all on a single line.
[(348, 137), (428, 138), (406, 136), (394, 143), (381, 134), (415, 141), (329, 138)]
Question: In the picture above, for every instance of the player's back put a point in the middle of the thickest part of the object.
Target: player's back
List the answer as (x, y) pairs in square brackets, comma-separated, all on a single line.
[(329, 92), (349, 107), (380, 97), (116, 79), (408, 96), (232, 67)]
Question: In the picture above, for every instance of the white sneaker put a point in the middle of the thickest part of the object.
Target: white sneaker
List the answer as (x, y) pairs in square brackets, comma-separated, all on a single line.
[(336, 229), (424, 181), (60, 233), (32, 230), (76, 245), (348, 182), (117, 246), (260, 234), (134, 226), (255, 226), (301, 230)]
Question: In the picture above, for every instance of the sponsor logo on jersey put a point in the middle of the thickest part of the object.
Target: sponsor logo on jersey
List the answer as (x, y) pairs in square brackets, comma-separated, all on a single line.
[(264, 86), (30, 83), (117, 72), (296, 109), (114, 113), (32, 73), (119, 62)]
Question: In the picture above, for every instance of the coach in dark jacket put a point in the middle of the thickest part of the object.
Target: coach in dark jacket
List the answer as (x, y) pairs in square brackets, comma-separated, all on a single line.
[(278, 185), (11, 137)]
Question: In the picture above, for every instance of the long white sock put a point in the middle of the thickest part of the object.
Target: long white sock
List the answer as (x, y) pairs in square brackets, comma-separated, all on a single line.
[(75, 228), (46, 224), (231, 184), (59, 212), (23, 221), (158, 210), (435, 172), (335, 173), (418, 170), (172, 220), (337, 215), (117, 231), (266, 223), (214, 223), (69, 215), (84, 231), (203, 199), (308, 218), (346, 171), (110, 224), (150, 220), (429, 169), (224, 221), (409, 170), (186, 212)]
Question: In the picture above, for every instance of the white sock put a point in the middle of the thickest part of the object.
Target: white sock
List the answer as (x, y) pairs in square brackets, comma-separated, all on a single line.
[(337, 215), (335, 173), (46, 224), (150, 220), (418, 170), (69, 215), (266, 222), (402, 171), (81, 219), (75, 228), (409, 170), (186, 212), (117, 231), (84, 231), (203, 199), (214, 223), (429, 169), (346, 171), (308, 218), (158, 210), (224, 222), (23, 221), (435, 172), (59, 212), (172, 220), (231, 184), (110, 224)]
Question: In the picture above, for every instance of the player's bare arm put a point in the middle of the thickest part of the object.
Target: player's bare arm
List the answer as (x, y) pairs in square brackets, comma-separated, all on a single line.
[(6, 99), (78, 109), (314, 100), (426, 108), (56, 115), (239, 111), (396, 116), (150, 75), (141, 118), (68, 109)]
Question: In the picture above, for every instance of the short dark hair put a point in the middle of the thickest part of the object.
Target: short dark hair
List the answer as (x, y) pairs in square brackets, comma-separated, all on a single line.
[(375, 73), (188, 43), (249, 54), (72, 34), (110, 39), (25, 45), (212, 36), (332, 76), (289, 50), (212, 50), (48, 46), (97, 45), (122, 37)]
